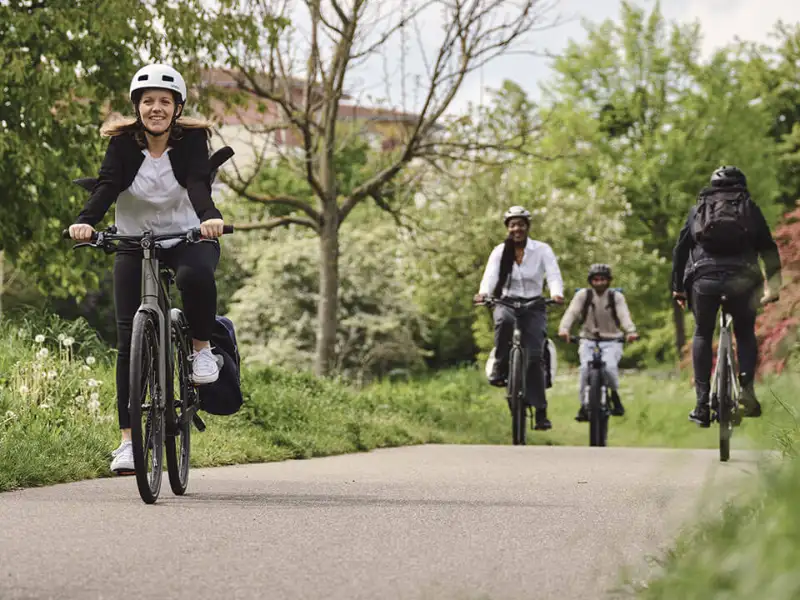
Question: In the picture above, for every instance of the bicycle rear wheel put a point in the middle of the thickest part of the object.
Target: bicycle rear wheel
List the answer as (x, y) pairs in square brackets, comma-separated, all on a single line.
[(724, 411), (145, 407), (516, 397), (180, 397), (598, 416)]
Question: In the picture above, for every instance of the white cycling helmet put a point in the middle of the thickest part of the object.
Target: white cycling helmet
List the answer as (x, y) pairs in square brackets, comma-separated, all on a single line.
[(516, 212), (161, 77)]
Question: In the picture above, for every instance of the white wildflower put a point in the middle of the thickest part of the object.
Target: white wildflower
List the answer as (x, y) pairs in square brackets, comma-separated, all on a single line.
[(94, 397), (93, 406), (21, 332), (39, 339), (42, 353), (23, 389), (90, 360), (80, 399), (68, 342), (92, 383), (44, 406), (52, 374), (61, 337), (87, 368)]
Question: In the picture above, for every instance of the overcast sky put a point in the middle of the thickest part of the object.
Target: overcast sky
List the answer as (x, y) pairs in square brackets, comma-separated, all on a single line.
[(722, 21)]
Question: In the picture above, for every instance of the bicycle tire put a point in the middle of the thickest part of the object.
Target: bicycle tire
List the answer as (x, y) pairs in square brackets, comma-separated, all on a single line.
[(516, 397), (179, 436), (724, 411), (598, 417), (148, 441)]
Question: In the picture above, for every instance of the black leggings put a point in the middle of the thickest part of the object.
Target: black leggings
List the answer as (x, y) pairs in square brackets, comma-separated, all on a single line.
[(741, 304), (194, 266)]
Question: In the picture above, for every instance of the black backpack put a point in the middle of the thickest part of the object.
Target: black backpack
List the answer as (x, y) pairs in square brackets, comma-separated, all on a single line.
[(722, 220), (224, 396), (612, 304)]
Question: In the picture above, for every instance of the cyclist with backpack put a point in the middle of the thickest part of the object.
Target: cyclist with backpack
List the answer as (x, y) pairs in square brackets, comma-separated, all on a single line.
[(156, 168), (717, 254), (517, 269), (601, 312)]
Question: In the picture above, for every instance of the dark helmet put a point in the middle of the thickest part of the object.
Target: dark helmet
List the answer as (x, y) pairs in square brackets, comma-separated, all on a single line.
[(728, 175), (601, 269)]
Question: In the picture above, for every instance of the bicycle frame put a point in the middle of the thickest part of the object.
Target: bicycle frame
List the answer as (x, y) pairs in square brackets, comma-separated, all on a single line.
[(155, 299), (725, 346)]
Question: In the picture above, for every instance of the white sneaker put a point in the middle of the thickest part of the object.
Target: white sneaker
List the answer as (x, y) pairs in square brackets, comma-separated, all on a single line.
[(123, 458), (205, 366)]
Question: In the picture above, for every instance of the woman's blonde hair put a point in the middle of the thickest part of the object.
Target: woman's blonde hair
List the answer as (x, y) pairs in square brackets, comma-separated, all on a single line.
[(118, 124)]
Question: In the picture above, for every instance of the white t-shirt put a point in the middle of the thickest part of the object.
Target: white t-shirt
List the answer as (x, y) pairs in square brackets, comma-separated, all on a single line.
[(155, 201)]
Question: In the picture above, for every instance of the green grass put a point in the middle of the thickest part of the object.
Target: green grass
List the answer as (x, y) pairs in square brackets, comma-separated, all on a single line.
[(749, 547), (58, 413)]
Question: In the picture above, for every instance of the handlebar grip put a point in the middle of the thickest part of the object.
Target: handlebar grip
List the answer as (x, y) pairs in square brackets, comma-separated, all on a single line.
[(227, 229)]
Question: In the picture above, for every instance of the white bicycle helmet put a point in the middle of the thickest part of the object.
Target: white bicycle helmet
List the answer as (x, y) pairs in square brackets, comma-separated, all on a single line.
[(161, 77), (514, 212)]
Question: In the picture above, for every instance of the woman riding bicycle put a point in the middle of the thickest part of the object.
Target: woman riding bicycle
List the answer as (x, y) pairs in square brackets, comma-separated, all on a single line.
[(517, 269), (157, 170)]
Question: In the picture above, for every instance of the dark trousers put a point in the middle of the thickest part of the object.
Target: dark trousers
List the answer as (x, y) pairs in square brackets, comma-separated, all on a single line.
[(741, 304), (194, 266), (533, 326)]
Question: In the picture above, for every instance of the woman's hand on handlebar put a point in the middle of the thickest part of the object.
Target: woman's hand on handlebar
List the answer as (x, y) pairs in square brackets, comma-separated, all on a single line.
[(80, 232), (479, 299), (558, 299), (631, 337), (212, 228)]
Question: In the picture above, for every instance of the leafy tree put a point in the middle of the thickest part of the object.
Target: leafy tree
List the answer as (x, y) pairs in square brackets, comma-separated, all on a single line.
[(769, 75), (257, 44), (62, 61), (642, 112)]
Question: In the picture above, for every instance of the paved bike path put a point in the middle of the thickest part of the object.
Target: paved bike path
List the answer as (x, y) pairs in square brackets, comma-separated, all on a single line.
[(425, 522)]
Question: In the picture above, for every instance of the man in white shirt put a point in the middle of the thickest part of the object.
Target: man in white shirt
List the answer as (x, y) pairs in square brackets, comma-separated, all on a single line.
[(517, 269)]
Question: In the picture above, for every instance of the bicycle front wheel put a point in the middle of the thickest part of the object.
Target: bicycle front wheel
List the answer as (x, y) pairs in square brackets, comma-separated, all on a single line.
[(724, 411), (180, 397), (516, 395), (598, 416), (145, 408)]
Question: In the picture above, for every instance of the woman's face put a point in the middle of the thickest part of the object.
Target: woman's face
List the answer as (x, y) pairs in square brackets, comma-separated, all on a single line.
[(157, 108), (518, 229)]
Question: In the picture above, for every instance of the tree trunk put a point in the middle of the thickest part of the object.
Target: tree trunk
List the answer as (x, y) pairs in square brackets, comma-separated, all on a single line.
[(328, 291), (680, 328)]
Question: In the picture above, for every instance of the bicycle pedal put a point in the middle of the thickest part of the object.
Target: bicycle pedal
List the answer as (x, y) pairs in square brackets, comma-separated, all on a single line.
[(198, 422)]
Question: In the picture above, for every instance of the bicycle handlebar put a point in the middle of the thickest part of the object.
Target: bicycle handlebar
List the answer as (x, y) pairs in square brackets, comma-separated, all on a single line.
[(574, 339), (99, 238), (490, 301)]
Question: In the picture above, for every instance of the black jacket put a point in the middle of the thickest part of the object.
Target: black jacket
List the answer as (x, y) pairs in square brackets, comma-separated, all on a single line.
[(124, 157), (690, 261)]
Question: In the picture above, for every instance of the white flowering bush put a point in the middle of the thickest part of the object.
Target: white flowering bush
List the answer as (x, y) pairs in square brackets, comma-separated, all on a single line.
[(276, 310)]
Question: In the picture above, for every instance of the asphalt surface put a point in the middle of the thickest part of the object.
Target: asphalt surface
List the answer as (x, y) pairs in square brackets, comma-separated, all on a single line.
[(426, 522)]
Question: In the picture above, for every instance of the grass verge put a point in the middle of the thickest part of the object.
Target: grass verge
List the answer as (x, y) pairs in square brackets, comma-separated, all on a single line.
[(58, 412)]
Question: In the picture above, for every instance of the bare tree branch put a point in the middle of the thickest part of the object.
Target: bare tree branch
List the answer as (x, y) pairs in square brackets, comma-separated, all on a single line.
[(276, 222), (284, 200), (386, 35)]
